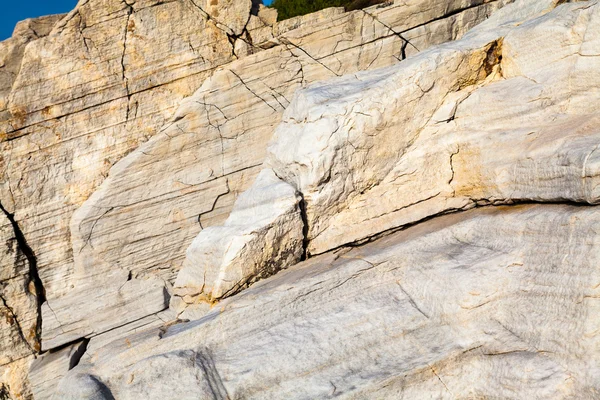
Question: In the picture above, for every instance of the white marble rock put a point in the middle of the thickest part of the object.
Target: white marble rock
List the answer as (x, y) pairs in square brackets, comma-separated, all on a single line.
[(132, 131), (263, 235), (499, 302)]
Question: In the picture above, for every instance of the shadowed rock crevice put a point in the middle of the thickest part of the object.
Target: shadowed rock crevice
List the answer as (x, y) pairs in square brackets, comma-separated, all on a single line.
[(35, 286), (205, 360), (305, 228)]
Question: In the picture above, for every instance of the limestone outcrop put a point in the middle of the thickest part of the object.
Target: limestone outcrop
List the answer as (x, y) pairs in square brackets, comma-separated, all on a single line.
[(199, 201), (368, 159), (157, 199), (263, 235), (498, 302)]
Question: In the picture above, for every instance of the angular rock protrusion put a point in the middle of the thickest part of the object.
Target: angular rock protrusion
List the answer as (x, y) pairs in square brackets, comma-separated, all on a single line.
[(448, 137), (90, 311), (342, 141), (263, 235), (48, 369)]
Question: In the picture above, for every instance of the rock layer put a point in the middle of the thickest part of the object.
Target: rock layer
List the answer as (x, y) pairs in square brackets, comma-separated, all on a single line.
[(491, 303), (214, 146), (158, 198), (109, 174)]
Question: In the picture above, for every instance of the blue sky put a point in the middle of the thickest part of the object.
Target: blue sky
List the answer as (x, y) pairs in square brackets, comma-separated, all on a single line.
[(15, 11)]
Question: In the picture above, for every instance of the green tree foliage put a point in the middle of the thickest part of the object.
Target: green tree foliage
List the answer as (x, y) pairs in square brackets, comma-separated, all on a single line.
[(292, 8)]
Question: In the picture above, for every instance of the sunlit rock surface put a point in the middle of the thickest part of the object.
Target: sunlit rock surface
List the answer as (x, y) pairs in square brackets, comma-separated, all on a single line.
[(163, 162), (499, 302), (156, 200)]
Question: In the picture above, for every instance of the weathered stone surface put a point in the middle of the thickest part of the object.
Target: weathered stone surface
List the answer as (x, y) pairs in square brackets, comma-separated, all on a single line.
[(18, 303), (485, 120), (230, 15), (491, 303), (158, 320), (367, 159), (14, 381), (18, 314), (82, 387), (94, 310), (262, 236), (11, 54), (47, 370), (18, 296), (111, 75), (187, 177)]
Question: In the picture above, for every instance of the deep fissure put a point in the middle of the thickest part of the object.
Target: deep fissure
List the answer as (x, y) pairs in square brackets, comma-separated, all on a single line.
[(34, 276)]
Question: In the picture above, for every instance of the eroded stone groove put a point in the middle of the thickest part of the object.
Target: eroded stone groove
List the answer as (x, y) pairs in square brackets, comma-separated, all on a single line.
[(34, 279), (464, 321)]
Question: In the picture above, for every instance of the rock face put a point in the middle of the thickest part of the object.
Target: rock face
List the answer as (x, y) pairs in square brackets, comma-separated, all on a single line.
[(197, 160), (155, 201), (263, 235), (49, 368), (491, 303), (368, 159)]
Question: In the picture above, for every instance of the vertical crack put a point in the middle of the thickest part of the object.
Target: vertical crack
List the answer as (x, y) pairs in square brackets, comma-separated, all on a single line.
[(128, 28), (452, 170), (13, 318), (405, 41), (305, 240), (34, 276)]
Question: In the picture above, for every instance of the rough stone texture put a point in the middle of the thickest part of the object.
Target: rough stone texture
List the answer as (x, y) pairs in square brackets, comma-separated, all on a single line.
[(76, 94), (493, 303), (263, 235), (18, 313), (187, 177), (121, 333), (18, 303), (368, 159), (487, 119), (111, 75), (11, 54), (236, 124), (82, 387), (93, 310), (47, 370), (14, 380)]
